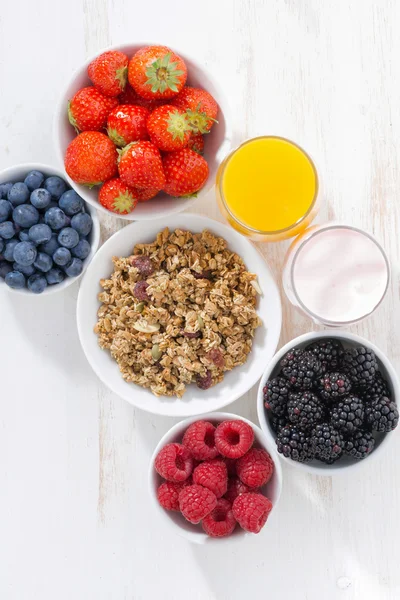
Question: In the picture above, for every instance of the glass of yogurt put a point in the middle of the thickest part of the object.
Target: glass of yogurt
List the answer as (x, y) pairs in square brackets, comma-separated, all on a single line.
[(336, 274)]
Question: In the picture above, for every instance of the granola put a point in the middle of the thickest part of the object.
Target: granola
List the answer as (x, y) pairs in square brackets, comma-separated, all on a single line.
[(177, 311)]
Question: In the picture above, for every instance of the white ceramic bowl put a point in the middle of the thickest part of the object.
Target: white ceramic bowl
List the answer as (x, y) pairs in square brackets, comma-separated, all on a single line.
[(195, 533), (217, 144), (348, 339), (195, 401), (19, 173)]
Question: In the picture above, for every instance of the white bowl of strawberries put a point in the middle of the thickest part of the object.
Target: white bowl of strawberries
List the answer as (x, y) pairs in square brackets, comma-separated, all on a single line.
[(141, 130), (215, 478)]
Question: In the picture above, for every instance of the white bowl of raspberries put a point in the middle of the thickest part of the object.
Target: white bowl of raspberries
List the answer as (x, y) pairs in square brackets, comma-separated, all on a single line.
[(141, 130), (329, 402), (215, 477)]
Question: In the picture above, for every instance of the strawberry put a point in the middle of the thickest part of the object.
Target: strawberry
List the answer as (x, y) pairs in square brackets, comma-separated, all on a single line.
[(200, 107), (127, 123), (185, 171), (145, 194), (157, 72), (196, 143), (88, 110), (168, 128), (129, 96), (140, 165), (91, 158), (109, 72), (118, 197)]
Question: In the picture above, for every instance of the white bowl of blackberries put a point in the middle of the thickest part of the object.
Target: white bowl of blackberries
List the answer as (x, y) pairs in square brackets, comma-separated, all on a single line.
[(329, 401)]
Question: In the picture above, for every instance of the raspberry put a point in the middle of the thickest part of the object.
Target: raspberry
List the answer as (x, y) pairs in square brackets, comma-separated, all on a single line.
[(235, 488), (234, 438), (255, 468), (174, 462), (220, 522), (168, 494), (251, 511), (199, 440), (213, 475), (230, 465), (196, 502)]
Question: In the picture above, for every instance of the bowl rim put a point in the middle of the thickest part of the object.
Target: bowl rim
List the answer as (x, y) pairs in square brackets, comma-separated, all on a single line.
[(10, 173), (309, 337), (177, 429)]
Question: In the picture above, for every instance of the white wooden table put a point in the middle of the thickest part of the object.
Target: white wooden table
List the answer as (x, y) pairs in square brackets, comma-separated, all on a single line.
[(75, 521)]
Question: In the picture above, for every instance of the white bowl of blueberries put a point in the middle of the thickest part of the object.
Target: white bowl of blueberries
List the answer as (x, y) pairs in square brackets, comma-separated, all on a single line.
[(48, 233)]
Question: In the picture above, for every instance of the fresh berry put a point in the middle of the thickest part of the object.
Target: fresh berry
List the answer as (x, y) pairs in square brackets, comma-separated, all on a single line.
[(62, 257), (168, 128), (251, 511), (117, 197), (382, 414), (25, 253), (378, 388), (235, 488), (5, 268), (276, 395), (185, 171), (127, 123), (7, 230), (157, 72), (25, 215), (293, 443), (15, 280), (55, 218), (8, 251), (5, 210), (27, 271), (144, 194), (196, 502), (200, 107), (143, 264), (34, 180), (18, 194), (196, 143), (220, 522), (74, 268), (82, 223), (200, 441), (213, 475), (56, 186), (140, 165), (305, 409), (37, 283), (278, 423), (71, 203), (234, 438), (40, 233), (334, 386), (5, 188), (360, 365), (255, 468), (301, 369), (129, 96), (109, 72), (54, 276), (168, 494), (88, 110), (360, 444), (40, 198), (81, 250), (91, 158), (43, 262), (329, 352), (327, 443), (68, 237), (23, 235), (174, 462), (49, 247), (230, 465), (348, 414)]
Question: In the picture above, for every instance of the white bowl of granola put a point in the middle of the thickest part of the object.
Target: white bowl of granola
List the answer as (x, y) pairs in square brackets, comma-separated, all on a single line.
[(187, 328)]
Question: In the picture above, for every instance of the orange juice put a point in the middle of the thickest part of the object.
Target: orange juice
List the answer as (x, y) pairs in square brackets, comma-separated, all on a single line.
[(267, 188)]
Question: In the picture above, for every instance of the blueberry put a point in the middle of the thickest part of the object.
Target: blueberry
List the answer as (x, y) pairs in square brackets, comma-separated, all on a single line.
[(9, 250), (62, 257), (28, 271), (82, 222), (25, 215), (43, 262), (4, 189), (81, 250), (15, 280), (25, 253), (71, 203), (40, 198), (74, 268), (5, 268), (34, 180), (55, 218), (54, 276), (18, 194), (7, 230), (68, 237), (39, 234), (2, 244), (37, 283), (51, 246), (23, 235), (56, 186), (5, 210)]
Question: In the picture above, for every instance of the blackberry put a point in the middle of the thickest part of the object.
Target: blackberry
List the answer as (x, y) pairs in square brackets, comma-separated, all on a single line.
[(333, 386), (305, 409), (326, 443), (276, 392), (360, 365), (301, 369), (360, 444), (329, 352), (278, 423), (382, 414), (348, 414), (293, 443), (378, 388)]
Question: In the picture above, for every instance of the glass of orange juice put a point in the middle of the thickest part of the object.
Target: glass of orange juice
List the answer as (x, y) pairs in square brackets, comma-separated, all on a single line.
[(267, 189)]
